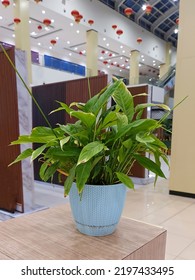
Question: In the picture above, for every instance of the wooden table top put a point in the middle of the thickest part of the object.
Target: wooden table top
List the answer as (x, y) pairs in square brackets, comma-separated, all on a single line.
[(51, 234)]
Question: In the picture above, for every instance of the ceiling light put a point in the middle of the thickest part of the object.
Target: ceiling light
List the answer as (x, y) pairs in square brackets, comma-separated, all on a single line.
[(71, 24), (75, 48), (13, 35), (46, 28), (120, 70), (57, 38), (50, 47), (68, 42), (84, 51), (30, 21), (121, 57), (104, 39), (140, 65), (143, 7), (109, 60), (78, 31), (123, 51), (115, 62), (154, 61), (107, 44), (106, 51), (70, 54), (176, 30), (101, 57), (1, 17), (33, 33), (143, 59), (121, 47), (52, 20), (113, 54), (108, 66), (122, 65), (142, 56), (154, 64), (39, 44), (43, 12)]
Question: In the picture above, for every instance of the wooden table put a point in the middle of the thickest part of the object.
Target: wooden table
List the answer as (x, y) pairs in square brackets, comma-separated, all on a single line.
[(51, 234)]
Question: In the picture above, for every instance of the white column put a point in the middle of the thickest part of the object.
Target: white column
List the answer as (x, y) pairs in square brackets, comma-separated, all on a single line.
[(92, 52), (134, 67), (182, 174)]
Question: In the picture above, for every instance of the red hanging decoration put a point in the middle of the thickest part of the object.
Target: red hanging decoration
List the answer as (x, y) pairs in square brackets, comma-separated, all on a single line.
[(110, 54), (75, 13), (37, 1), (105, 62), (119, 32), (78, 18), (103, 52), (47, 21), (5, 3), (17, 20), (91, 21), (128, 12), (177, 21), (39, 27), (148, 9), (53, 42), (114, 26), (80, 53), (139, 40)]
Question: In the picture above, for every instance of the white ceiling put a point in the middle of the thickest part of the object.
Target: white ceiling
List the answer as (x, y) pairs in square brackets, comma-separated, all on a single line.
[(71, 44)]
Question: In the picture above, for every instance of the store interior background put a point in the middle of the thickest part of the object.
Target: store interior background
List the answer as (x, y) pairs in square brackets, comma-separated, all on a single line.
[(158, 56)]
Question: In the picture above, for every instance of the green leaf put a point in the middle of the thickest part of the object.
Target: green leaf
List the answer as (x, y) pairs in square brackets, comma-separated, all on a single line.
[(109, 120), (142, 138), (50, 171), (126, 180), (63, 107), (146, 105), (122, 120), (43, 168), (103, 98), (92, 101), (64, 141), (150, 165), (69, 180), (87, 118), (82, 175), (25, 154), (37, 152), (124, 100), (128, 143), (89, 151)]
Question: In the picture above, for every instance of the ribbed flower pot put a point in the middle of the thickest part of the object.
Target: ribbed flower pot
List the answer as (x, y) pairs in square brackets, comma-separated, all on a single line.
[(99, 210)]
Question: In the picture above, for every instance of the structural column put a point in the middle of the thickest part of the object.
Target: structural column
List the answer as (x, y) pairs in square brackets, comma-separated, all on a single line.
[(164, 68), (134, 67), (23, 65), (22, 32), (182, 175), (92, 52)]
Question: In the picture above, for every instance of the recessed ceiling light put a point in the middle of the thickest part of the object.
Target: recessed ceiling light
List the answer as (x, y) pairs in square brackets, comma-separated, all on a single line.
[(109, 60), (30, 21), (122, 65), (71, 24), (43, 12), (154, 61), (70, 54), (120, 70), (39, 44), (52, 20), (50, 47), (57, 38), (1, 17), (154, 64), (33, 33), (140, 65), (101, 57), (108, 66), (176, 30), (121, 47), (84, 51), (143, 7), (75, 48), (142, 56), (104, 39), (47, 28), (106, 51), (78, 31), (113, 54), (121, 57), (107, 44), (68, 42), (13, 35), (123, 51), (143, 59)]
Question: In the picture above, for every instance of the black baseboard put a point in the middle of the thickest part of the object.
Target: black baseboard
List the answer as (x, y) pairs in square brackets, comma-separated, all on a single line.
[(191, 195)]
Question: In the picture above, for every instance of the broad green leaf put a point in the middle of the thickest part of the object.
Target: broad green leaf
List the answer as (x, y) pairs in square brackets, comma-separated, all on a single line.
[(124, 100), (109, 120), (50, 171), (37, 152), (126, 180), (146, 105), (103, 98), (68, 151), (127, 143), (64, 141), (89, 151), (42, 131), (150, 165), (121, 154), (63, 107), (92, 101), (122, 120), (82, 175), (25, 154), (87, 118), (23, 139), (79, 105), (142, 138), (136, 127), (43, 168), (69, 180)]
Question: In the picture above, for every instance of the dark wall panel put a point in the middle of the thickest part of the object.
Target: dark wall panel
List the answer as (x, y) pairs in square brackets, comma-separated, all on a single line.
[(10, 177)]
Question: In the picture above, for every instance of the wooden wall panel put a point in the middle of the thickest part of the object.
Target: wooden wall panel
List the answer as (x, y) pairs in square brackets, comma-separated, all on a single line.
[(10, 177)]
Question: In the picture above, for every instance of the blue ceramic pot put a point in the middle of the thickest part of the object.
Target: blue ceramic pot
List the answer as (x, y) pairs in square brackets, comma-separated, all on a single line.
[(99, 210)]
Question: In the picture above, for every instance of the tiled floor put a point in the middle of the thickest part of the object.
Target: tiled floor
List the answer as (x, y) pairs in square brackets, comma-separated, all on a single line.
[(151, 205)]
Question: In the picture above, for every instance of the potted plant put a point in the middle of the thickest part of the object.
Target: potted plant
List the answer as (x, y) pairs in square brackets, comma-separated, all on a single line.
[(96, 153)]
